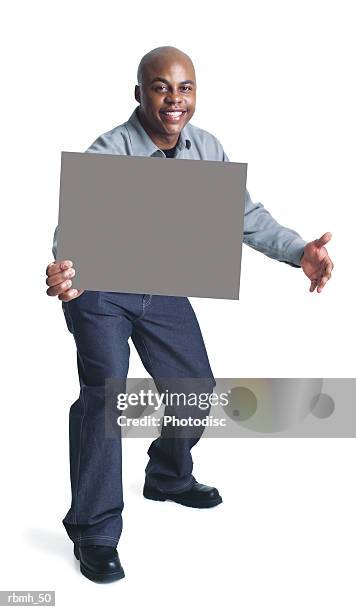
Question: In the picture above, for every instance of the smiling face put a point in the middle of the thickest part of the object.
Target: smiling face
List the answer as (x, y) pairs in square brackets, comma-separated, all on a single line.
[(166, 94)]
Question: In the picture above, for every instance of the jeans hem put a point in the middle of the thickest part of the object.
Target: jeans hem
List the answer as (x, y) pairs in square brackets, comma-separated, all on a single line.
[(179, 489), (97, 540)]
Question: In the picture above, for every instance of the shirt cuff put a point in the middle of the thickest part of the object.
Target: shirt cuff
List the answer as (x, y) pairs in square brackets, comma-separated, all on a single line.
[(295, 251)]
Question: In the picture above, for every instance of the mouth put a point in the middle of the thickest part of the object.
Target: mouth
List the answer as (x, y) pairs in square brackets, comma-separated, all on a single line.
[(172, 116)]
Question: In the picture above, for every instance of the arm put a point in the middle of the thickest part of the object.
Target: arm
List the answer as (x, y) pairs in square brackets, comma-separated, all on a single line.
[(60, 273), (263, 233), (55, 243), (103, 144)]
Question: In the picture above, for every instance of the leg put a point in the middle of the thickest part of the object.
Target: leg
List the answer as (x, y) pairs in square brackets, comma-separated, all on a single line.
[(169, 341), (101, 335)]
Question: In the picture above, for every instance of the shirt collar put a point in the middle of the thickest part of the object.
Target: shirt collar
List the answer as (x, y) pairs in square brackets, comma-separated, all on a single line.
[(141, 142)]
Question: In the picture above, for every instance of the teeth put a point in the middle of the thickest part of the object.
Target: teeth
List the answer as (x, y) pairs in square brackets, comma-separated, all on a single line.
[(173, 113)]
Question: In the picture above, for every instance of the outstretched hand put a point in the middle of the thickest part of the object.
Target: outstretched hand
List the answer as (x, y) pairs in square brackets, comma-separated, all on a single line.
[(316, 263)]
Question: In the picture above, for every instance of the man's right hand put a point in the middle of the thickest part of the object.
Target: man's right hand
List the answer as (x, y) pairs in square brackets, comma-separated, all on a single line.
[(59, 279)]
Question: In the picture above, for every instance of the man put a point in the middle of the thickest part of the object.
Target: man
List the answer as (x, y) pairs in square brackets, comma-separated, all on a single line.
[(164, 329)]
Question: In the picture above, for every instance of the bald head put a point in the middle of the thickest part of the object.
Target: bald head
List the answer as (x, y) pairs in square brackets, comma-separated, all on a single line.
[(158, 56), (166, 92)]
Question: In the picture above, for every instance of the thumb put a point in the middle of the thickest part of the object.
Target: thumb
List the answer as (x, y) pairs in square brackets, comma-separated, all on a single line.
[(323, 239)]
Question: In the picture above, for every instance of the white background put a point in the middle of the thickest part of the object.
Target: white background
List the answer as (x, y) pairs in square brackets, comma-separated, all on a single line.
[(276, 86)]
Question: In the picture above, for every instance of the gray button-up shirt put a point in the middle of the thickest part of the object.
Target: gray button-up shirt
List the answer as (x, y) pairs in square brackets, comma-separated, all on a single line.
[(261, 231)]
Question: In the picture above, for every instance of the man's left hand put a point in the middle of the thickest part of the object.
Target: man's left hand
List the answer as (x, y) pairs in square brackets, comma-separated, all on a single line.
[(316, 263)]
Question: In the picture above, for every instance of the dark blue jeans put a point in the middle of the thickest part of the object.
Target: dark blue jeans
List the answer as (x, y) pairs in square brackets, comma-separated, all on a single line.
[(167, 336)]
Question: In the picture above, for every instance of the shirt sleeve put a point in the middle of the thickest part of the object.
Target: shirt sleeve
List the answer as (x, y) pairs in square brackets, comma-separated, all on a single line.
[(55, 243), (263, 233)]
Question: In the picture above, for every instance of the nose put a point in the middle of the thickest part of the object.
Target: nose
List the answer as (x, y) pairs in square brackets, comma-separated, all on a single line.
[(175, 97)]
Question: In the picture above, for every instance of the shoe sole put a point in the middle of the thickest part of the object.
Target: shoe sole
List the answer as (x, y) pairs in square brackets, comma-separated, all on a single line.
[(161, 497), (95, 577)]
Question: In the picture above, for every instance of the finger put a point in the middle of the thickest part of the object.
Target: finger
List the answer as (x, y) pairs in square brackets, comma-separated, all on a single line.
[(329, 268), (56, 266), (326, 269), (57, 289), (313, 285), (56, 279), (66, 296), (323, 239), (322, 282)]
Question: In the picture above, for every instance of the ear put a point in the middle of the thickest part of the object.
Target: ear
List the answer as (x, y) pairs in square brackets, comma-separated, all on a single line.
[(137, 93)]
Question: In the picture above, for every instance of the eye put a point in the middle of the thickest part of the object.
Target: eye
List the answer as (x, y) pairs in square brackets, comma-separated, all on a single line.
[(187, 88), (160, 88)]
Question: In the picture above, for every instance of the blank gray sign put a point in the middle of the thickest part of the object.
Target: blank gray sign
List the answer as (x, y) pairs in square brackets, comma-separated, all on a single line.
[(152, 225)]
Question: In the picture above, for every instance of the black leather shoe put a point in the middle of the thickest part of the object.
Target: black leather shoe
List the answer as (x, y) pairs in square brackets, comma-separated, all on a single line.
[(199, 496), (99, 563)]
